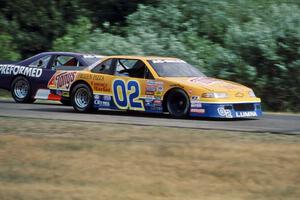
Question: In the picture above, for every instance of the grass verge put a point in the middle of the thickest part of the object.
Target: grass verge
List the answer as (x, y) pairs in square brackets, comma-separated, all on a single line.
[(48, 159), (4, 94)]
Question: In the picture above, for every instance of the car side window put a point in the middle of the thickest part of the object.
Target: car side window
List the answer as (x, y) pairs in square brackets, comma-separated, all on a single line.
[(103, 67), (65, 61), (41, 62), (132, 68)]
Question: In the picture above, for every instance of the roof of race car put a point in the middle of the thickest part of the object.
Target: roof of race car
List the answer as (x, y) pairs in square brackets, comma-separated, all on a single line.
[(140, 57), (70, 53), (131, 57)]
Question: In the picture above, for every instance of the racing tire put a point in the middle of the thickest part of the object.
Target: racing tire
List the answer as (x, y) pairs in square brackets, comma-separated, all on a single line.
[(66, 102), (82, 98), (21, 90), (178, 103)]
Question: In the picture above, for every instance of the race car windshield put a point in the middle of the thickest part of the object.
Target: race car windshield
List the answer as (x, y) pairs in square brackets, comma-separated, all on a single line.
[(174, 68)]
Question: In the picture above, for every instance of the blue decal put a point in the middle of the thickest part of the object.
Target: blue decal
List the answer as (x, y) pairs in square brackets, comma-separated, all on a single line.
[(120, 97), (127, 97), (133, 97)]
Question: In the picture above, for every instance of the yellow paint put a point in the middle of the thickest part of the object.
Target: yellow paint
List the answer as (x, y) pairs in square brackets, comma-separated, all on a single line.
[(237, 93)]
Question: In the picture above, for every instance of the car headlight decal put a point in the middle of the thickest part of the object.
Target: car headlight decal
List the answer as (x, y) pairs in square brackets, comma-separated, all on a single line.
[(214, 95), (251, 93)]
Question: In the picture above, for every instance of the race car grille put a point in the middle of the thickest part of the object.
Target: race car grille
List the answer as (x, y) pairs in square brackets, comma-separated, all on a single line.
[(244, 107)]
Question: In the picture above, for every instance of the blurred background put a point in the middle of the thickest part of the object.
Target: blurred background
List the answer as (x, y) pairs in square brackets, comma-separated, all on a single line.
[(256, 43)]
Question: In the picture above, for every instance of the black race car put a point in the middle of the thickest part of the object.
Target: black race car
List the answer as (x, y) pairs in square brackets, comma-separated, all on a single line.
[(27, 80)]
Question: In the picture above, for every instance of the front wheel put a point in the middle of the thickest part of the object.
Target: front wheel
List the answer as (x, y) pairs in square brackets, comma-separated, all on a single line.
[(178, 103), (21, 90), (82, 98)]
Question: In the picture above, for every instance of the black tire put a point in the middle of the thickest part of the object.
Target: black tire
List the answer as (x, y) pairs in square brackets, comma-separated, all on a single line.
[(178, 103), (86, 102), (21, 90), (66, 102)]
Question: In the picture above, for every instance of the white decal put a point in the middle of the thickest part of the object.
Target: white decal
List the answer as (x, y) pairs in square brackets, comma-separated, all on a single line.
[(16, 69), (246, 114), (168, 61), (224, 113), (198, 110), (205, 80)]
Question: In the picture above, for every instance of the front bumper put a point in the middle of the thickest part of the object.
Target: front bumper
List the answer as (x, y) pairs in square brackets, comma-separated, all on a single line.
[(226, 110)]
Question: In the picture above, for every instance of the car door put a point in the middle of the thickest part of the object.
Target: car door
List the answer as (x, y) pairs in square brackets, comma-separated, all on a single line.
[(133, 86)]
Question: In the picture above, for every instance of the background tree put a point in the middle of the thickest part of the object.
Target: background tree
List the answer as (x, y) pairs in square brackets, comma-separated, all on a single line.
[(256, 43)]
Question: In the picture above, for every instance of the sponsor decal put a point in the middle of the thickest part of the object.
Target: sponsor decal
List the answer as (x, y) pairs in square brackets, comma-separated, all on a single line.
[(92, 56), (246, 114), (231, 87), (149, 99), (16, 69), (85, 76), (97, 97), (196, 104), (158, 93), (102, 103), (106, 98), (239, 94), (154, 87), (65, 79), (168, 61), (151, 88), (198, 110), (205, 80), (101, 87), (149, 93), (194, 98), (160, 88), (224, 113), (151, 82), (157, 102), (98, 77)]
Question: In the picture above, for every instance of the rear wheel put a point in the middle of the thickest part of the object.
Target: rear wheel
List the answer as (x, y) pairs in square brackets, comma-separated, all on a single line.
[(82, 98), (178, 103), (21, 90)]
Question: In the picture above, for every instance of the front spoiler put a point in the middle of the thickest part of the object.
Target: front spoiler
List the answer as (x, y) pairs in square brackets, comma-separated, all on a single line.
[(227, 110)]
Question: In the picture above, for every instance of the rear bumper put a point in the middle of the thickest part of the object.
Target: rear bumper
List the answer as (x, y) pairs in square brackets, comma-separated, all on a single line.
[(226, 110)]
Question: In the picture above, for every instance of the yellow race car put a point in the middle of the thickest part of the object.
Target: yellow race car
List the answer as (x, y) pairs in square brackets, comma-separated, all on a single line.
[(156, 85)]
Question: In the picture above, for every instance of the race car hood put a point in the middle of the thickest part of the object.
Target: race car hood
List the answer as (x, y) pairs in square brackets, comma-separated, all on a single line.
[(211, 84), (199, 85)]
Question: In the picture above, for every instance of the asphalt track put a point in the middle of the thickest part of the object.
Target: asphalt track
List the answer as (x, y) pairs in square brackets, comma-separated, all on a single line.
[(288, 124)]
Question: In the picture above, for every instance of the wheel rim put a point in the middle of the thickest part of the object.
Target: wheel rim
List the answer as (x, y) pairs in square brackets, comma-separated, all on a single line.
[(178, 104), (82, 98), (21, 89)]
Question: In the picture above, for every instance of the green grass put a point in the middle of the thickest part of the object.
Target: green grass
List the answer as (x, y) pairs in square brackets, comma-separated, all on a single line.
[(4, 93), (50, 159)]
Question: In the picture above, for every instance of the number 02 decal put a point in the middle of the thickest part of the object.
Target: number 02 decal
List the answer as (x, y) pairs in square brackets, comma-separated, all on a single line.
[(127, 95)]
